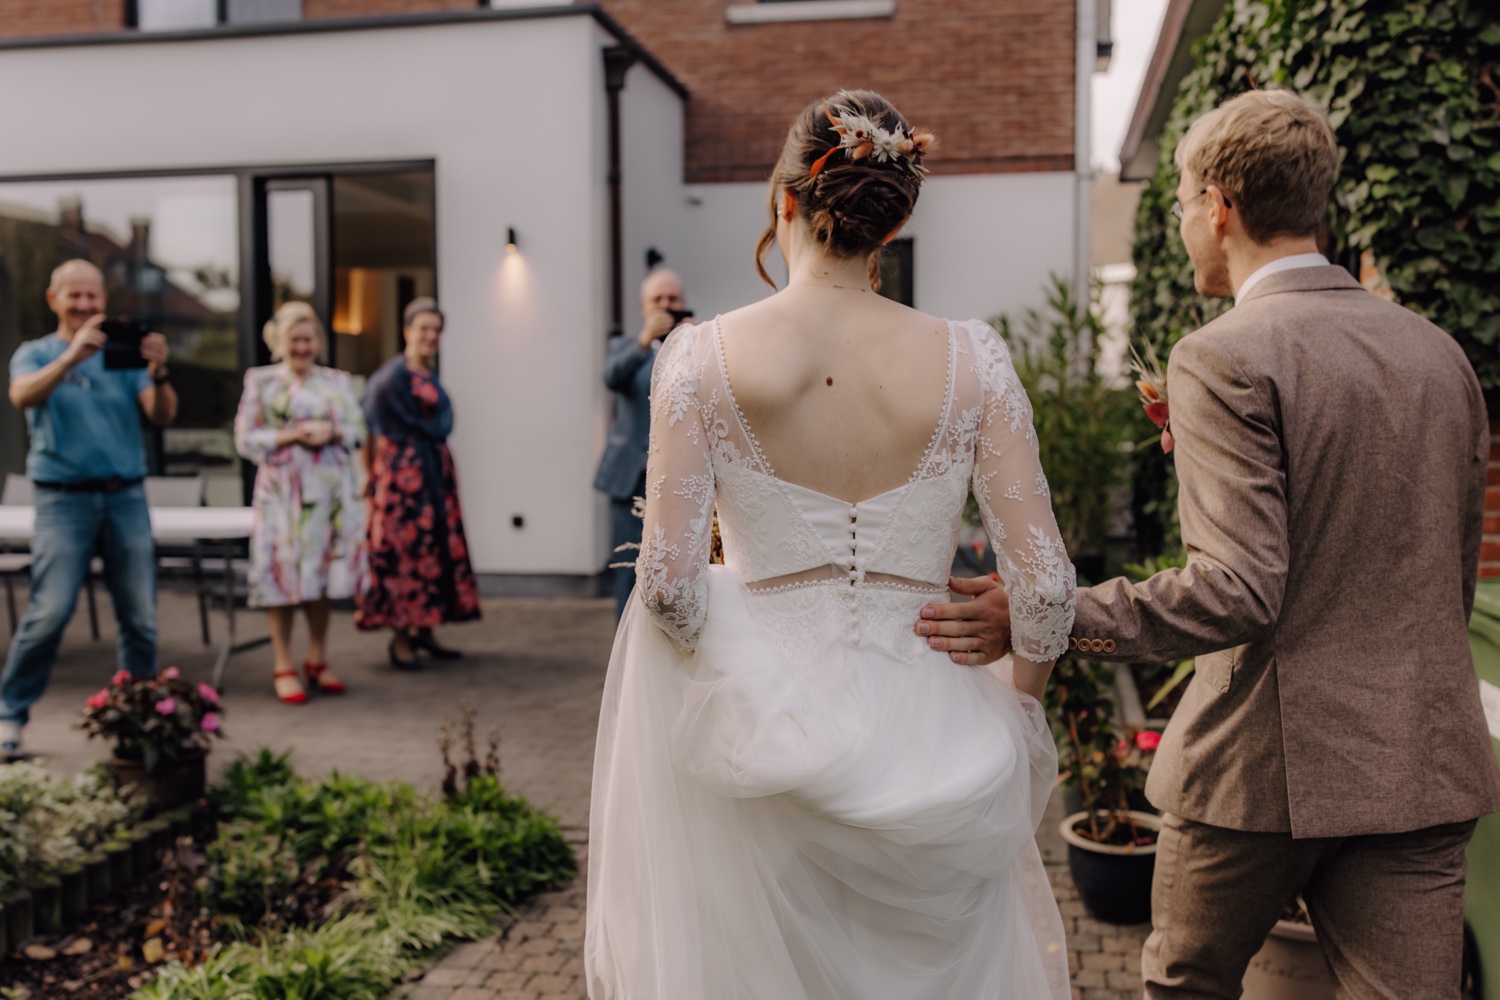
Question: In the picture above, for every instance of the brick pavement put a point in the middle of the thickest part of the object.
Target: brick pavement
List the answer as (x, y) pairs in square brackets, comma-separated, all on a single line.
[(538, 953), (535, 667)]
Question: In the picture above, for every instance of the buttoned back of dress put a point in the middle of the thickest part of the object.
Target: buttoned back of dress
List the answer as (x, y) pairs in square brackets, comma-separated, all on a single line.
[(818, 569)]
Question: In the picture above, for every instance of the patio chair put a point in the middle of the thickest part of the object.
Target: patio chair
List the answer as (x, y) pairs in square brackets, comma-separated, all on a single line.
[(19, 492), (182, 491)]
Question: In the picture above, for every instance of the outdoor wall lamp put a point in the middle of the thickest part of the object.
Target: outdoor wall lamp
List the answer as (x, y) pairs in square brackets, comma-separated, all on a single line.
[(511, 245), (653, 258)]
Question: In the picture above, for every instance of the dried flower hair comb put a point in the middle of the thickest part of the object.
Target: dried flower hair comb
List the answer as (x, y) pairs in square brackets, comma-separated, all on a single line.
[(860, 137)]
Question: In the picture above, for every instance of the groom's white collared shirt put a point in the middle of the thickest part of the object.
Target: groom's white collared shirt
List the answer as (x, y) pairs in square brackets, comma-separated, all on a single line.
[(1290, 263)]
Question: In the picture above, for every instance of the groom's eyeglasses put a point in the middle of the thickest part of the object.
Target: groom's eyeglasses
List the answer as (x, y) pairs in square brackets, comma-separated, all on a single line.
[(1177, 205)]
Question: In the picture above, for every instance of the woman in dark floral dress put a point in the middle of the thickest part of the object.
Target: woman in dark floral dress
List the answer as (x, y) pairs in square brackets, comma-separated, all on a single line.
[(420, 574)]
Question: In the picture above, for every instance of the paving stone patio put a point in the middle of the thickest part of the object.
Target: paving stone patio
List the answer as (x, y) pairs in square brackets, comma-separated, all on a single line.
[(535, 669)]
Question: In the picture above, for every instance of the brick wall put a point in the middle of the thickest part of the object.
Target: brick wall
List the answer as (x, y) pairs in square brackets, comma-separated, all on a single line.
[(1489, 553), (993, 78), (27, 18)]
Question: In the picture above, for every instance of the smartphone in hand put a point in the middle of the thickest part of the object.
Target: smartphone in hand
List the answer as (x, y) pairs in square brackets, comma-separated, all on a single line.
[(122, 346)]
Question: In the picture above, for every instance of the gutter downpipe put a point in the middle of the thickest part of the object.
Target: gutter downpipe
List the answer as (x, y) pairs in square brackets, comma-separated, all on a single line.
[(617, 62), (1083, 167)]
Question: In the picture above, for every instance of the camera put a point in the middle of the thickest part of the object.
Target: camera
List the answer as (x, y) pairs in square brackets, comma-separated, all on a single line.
[(122, 346), (680, 316)]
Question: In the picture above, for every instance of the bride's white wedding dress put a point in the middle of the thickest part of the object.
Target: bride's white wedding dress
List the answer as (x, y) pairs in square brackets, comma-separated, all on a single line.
[(794, 797)]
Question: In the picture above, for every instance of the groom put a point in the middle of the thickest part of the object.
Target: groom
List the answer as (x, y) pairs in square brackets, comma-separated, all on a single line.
[(1331, 452)]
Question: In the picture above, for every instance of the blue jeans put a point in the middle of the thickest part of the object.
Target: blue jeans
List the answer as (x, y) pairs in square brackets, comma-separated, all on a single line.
[(69, 529)]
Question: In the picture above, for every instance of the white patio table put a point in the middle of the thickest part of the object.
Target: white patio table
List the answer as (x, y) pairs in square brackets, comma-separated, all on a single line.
[(174, 526)]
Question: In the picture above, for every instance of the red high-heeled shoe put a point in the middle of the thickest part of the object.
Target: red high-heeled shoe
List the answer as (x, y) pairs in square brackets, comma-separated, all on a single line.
[(315, 672), (295, 698)]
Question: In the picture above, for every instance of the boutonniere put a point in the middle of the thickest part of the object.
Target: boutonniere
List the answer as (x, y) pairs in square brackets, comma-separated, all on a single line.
[(1151, 383)]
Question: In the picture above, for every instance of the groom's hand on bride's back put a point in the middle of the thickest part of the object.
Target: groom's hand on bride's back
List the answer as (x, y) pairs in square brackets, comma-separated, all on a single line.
[(973, 632)]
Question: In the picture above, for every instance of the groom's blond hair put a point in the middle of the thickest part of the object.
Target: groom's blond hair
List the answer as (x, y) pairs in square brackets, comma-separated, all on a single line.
[(1274, 156)]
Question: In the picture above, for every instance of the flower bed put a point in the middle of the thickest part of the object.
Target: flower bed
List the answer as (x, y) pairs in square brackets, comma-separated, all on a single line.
[(334, 889)]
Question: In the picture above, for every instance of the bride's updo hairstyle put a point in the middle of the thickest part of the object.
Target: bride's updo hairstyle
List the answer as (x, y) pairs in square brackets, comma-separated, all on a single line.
[(853, 167)]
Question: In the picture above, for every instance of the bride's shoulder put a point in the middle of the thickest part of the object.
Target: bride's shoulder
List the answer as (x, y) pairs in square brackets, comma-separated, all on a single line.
[(982, 338)]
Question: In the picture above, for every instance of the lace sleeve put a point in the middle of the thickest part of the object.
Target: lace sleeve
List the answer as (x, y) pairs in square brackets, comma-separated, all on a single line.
[(673, 564), (1016, 506)]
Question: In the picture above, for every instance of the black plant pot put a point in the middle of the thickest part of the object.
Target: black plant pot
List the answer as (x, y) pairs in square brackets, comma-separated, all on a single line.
[(1113, 882)]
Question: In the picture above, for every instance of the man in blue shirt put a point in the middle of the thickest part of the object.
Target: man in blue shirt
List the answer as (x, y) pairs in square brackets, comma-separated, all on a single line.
[(88, 465)]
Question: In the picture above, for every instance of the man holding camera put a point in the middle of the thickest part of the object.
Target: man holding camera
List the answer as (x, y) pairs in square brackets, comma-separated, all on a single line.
[(627, 372), (88, 464)]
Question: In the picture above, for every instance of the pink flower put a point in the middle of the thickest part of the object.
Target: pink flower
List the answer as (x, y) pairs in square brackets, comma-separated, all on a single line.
[(171, 673), (207, 693), (1148, 739), (167, 706), (210, 722), (121, 677), (99, 700)]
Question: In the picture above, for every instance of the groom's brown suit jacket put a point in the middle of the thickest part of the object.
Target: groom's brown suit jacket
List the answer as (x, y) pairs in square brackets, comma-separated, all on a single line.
[(1331, 453)]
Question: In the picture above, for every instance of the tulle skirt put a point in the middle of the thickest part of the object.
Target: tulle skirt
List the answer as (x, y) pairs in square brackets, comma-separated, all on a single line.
[(855, 826)]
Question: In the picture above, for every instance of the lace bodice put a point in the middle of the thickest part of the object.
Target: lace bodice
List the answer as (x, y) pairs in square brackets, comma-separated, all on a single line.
[(840, 559)]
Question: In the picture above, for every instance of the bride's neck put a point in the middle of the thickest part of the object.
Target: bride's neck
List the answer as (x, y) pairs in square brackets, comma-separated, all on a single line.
[(847, 272), (808, 264)]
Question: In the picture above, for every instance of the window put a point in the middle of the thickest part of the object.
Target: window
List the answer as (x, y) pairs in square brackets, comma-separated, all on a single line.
[(767, 11), (897, 270), (174, 15), (169, 250), (186, 15)]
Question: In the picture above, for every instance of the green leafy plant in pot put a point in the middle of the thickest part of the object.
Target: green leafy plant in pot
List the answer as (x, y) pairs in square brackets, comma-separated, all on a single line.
[(1111, 847), (161, 728)]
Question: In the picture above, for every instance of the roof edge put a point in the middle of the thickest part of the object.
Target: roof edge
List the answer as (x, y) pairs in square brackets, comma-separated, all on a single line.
[(126, 36), (1183, 23)]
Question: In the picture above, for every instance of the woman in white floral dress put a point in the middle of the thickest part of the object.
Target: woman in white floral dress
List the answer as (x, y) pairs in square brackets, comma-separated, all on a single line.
[(301, 424)]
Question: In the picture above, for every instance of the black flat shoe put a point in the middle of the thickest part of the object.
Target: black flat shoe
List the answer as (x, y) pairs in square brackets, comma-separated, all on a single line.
[(426, 643), (399, 663)]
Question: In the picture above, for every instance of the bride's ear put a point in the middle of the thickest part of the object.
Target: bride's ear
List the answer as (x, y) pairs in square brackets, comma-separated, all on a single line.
[(788, 204)]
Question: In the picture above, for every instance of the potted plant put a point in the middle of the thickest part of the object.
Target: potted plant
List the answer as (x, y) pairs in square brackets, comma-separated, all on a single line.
[(161, 728), (1290, 965), (1111, 846)]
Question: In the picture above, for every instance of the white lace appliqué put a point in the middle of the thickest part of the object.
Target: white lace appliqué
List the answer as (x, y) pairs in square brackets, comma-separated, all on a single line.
[(703, 454)]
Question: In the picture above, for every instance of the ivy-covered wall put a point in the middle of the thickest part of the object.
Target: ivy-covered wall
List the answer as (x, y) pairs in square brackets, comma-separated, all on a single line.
[(1413, 92)]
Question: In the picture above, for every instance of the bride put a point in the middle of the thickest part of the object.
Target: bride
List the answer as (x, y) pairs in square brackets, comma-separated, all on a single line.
[(794, 797)]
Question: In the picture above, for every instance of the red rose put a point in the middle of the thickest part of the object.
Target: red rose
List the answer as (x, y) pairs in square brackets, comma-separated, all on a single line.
[(1157, 413), (99, 700), (1148, 739)]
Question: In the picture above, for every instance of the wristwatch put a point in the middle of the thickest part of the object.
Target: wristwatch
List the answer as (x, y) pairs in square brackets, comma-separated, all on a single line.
[(161, 376)]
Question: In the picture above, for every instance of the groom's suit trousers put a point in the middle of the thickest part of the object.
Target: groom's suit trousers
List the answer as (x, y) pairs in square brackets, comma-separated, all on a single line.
[(1388, 908)]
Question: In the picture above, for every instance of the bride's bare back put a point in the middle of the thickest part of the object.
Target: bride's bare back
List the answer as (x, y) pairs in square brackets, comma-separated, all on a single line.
[(843, 391)]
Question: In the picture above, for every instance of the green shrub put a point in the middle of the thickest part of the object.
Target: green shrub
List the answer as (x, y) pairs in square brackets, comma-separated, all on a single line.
[(48, 823), (345, 883), (1083, 421)]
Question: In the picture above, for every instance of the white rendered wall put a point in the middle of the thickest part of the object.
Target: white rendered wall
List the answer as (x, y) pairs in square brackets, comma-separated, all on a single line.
[(513, 114), (984, 243)]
